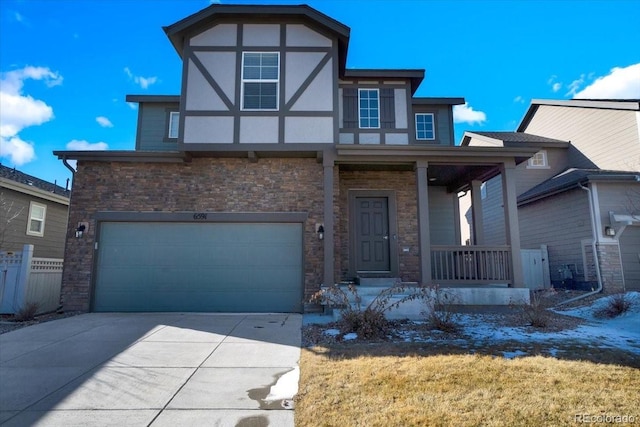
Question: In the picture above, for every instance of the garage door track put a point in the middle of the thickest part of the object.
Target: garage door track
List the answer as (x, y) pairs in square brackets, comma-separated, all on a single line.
[(159, 369)]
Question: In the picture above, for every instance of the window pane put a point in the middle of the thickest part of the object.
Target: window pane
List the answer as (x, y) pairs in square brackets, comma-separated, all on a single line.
[(270, 59), (252, 73), (270, 73), (37, 212), (252, 59), (35, 226)]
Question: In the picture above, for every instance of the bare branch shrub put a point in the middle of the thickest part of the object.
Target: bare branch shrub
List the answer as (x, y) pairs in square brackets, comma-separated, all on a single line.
[(439, 313), (617, 305)]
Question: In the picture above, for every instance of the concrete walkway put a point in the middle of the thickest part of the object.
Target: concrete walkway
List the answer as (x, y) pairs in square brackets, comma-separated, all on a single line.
[(158, 369)]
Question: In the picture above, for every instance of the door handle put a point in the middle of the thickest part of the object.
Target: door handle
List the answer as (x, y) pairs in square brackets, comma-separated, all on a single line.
[(385, 237)]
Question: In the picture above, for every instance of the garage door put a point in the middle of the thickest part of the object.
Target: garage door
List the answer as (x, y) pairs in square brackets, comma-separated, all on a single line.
[(225, 267), (630, 252)]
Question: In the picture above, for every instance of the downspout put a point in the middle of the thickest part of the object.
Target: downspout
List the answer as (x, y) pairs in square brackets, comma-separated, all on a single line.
[(73, 171), (594, 230)]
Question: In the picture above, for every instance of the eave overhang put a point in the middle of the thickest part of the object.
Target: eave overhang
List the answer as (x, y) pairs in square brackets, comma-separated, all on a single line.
[(153, 98), (415, 76), (203, 19), (436, 101), (125, 156), (33, 191)]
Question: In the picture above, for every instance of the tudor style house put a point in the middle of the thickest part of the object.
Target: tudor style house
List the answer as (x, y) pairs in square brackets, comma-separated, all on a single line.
[(579, 195), (32, 212), (276, 170)]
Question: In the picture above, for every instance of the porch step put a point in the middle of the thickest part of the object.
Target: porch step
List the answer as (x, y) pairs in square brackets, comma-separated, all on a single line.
[(380, 282)]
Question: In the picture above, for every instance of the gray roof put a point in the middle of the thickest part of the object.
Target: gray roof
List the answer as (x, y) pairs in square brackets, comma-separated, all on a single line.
[(520, 137), (570, 178), (153, 98), (15, 175)]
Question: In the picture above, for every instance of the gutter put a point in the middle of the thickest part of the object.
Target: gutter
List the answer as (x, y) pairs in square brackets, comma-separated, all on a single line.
[(73, 171), (594, 230)]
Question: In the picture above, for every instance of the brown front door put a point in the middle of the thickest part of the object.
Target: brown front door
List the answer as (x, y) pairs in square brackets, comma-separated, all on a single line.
[(372, 234)]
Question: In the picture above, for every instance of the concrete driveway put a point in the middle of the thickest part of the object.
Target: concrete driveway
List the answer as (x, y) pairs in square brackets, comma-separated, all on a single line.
[(159, 369)]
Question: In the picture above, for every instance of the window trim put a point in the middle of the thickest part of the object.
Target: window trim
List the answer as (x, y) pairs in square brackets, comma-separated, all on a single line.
[(376, 90), (483, 191), (30, 218), (545, 161), (169, 115), (243, 81), (433, 123)]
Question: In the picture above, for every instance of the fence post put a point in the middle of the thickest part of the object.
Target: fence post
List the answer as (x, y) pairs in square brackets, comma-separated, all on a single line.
[(20, 295), (545, 266)]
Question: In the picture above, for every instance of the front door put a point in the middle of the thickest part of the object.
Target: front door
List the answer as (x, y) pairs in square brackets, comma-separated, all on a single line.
[(372, 234)]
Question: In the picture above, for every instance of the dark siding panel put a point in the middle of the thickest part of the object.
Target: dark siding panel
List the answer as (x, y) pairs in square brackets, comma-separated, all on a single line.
[(350, 110), (153, 127), (387, 109)]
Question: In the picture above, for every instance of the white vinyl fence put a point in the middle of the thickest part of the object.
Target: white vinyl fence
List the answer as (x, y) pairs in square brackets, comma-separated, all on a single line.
[(25, 279)]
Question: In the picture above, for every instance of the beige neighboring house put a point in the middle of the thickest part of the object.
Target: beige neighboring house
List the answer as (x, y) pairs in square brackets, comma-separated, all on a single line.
[(32, 212), (579, 194)]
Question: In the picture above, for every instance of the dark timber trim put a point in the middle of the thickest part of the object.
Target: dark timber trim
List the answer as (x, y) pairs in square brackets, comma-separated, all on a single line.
[(218, 90)]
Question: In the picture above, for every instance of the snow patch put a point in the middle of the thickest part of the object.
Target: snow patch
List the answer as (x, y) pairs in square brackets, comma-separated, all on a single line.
[(286, 387)]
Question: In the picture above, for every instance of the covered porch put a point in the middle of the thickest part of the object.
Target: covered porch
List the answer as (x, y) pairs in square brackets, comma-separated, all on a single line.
[(432, 174)]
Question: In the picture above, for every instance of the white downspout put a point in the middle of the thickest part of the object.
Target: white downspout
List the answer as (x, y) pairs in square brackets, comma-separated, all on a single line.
[(594, 230)]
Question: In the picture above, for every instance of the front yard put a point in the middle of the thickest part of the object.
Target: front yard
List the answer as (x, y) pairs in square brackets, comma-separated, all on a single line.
[(489, 373)]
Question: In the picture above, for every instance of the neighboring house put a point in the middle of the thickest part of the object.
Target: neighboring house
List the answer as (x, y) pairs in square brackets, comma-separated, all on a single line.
[(32, 212), (579, 193), (276, 170)]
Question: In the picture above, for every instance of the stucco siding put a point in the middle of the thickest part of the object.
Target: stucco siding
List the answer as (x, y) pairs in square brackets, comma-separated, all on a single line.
[(606, 139), (219, 35), (303, 36)]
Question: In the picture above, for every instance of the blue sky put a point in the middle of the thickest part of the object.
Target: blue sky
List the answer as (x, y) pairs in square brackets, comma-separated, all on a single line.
[(66, 66)]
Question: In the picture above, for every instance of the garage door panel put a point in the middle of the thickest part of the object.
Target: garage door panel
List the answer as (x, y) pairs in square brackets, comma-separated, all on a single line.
[(199, 267)]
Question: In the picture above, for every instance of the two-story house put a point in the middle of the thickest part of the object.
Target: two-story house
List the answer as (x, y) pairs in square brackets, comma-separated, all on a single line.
[(579, 194), (276, 170), (32, 212)]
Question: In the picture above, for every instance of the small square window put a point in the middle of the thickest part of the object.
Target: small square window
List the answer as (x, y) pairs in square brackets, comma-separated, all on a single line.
[(425, 127), (369, 111), (539, 160), (174, 124), (37, 215)]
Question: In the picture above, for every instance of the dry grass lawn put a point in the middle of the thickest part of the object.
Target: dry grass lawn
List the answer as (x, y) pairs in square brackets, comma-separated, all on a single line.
[(382, 385)]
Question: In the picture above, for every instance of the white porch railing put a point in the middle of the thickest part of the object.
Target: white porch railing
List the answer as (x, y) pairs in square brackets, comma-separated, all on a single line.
[(471, 264), (25, 279)]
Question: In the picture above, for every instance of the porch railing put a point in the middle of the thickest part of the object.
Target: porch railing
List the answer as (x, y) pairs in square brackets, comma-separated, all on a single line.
[(471, 264)]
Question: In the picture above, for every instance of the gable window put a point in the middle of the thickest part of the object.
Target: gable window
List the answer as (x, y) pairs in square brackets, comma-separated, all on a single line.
[(369, 108), (425, 126), (174, 123), (260, 80), (37, 214), (539, 160)]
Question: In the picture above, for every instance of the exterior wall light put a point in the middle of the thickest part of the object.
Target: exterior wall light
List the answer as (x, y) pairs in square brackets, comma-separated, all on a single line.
[(320, 231), (82, 228), (609, 231)]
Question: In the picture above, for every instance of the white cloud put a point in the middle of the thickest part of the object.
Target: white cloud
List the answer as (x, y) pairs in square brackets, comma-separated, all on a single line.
[(575, 85), (620, 83), (82, 145), (466, 114), (556, 87), (144, 82), (19, 111), (18, 17), (18, 151), (518, 99), (104, 122)]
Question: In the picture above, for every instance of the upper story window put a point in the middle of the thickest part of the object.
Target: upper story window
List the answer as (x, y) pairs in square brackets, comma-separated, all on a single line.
[(260, 80), (37, 214), (174, 122), (539, 160), (425, 126), (369, 108), (483, 190)]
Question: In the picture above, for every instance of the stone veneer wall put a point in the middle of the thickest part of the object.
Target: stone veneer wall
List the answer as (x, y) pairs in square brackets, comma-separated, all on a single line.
[(610, 268), (404, 186), (204, 185)]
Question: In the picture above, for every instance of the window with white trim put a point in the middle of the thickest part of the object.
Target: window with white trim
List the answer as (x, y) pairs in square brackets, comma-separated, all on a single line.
[(539, 160), (260, 80), (369, 108), (174, 124), (37, 215), (425, 126)]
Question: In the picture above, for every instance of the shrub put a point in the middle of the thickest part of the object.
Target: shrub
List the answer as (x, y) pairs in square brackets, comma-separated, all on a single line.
[(26, 313), (439, 313), (368, 322), (535, 314), (616, 305)]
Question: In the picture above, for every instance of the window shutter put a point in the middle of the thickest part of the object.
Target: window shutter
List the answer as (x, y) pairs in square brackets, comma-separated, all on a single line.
[(350, 108), (387, 109)]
